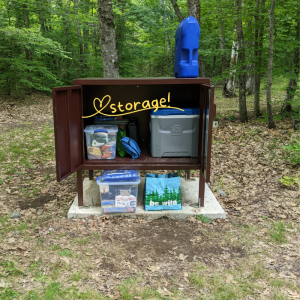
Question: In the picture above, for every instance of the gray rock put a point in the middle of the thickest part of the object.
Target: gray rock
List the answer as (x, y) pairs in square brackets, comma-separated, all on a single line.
[(267, 226), (28, 177), (17, 232), (15, 215), (51, 229), (90, 221), (39, 213), (221, 193), (83, 220)]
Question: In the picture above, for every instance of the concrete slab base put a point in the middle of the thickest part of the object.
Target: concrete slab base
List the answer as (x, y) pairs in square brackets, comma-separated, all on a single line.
[(189, 195)]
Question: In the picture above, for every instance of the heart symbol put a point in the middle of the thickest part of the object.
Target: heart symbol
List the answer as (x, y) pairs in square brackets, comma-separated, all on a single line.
[(101, 108)]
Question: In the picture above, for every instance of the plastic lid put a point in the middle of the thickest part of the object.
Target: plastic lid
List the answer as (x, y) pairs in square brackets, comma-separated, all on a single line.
[(108, 128), (113, 122), (123, 182), (172, 111)]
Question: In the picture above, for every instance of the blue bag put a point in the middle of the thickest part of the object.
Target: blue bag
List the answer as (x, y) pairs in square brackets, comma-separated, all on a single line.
[(162, 192), (131, 147)]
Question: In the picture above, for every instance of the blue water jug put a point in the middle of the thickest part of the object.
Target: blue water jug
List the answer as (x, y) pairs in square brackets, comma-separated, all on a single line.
[(186, 48)]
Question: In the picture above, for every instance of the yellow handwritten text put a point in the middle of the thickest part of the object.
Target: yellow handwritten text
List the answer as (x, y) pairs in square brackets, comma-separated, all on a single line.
[(127, 108)]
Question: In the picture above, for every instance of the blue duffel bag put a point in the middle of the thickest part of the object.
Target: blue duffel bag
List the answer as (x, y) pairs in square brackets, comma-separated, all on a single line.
[(131, 147)]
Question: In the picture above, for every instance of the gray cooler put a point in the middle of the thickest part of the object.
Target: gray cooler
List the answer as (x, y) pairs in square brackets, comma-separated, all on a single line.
[(174, 133)]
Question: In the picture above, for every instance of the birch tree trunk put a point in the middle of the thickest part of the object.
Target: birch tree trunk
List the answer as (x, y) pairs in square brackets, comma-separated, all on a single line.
[(228, 90), (271, 123), (194, 10), (242, 66), (223, 58), (108, 39), (177, 10), (291, 89), (258, 51), (250, 68)]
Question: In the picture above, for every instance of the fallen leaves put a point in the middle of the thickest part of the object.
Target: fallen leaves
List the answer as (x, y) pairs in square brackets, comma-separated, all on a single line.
[(182, 257)]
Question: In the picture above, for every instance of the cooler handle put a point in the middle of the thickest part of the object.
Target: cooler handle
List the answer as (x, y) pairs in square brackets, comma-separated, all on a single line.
[(100, 130)]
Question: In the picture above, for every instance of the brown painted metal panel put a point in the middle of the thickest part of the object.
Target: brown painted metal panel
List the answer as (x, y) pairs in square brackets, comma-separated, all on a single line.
[(67, 112), (212, 114), (140, 81), (140, 166), (145, 158)]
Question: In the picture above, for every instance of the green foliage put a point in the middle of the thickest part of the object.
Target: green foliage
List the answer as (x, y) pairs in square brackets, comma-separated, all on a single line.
[(9, 293), (21, 72), (277, 232), (65, 252), (9, 269), (293, 150), (289, 181), (203, 219)]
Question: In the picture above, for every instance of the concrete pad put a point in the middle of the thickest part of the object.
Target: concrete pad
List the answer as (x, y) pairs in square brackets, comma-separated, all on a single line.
[(189, 195)]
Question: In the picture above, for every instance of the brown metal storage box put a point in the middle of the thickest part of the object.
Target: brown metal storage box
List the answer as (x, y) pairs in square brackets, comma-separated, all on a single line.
[(71, 103)]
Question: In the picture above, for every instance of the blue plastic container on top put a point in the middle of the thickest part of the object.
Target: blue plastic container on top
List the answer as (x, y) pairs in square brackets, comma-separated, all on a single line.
[(186, 49)]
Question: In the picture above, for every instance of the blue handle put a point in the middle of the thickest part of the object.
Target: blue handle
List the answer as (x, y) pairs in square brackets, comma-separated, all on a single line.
[(100, 130)]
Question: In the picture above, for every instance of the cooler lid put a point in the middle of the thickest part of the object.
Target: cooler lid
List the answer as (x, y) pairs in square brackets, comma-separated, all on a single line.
[(101, 128), (172, 111)]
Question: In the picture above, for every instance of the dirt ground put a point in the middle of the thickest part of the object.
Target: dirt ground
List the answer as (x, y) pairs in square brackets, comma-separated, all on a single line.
[(252, 254)]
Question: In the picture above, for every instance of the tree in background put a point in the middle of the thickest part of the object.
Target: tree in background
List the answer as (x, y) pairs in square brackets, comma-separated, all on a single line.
[(258, 49), (108, 39), (242, 65), (271, 123), (292, 86), (49, 43)]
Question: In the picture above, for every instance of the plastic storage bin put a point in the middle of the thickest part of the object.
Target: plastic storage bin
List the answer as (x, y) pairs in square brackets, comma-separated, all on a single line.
[(101, 141), (186, 48), (118, 196), (174, 133)]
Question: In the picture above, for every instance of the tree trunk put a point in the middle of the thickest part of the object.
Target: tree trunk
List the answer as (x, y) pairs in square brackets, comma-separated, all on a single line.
[(78, 30), (223, 58), (291, 89), (258, 50), (120, 31), (214, 66), (41, 15), (26, 22), (250, 67), (108, 39), (228, 89), (194, 10), (242, 67), (177, 10), (271, 123)]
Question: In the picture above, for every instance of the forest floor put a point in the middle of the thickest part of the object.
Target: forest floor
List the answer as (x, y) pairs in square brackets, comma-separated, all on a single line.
[(252, 254)]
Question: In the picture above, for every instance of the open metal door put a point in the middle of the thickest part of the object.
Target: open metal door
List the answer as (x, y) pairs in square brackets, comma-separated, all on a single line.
[(207, 112), (67, 113)]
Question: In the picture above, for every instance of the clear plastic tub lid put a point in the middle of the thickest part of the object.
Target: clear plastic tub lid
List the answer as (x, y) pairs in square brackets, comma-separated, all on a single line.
[(120, 175), (101, 128), (100, 181)]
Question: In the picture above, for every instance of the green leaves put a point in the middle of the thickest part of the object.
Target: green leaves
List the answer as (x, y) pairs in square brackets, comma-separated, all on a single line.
[(293, 150)]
